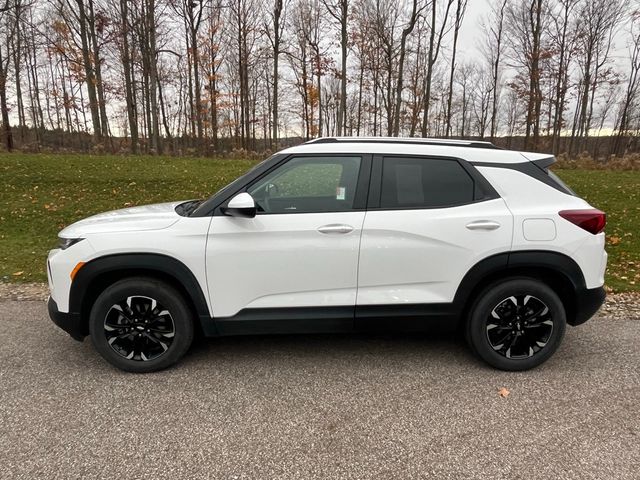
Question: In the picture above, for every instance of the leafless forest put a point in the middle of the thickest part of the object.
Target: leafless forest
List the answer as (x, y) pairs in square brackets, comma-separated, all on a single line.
[(206, 76)]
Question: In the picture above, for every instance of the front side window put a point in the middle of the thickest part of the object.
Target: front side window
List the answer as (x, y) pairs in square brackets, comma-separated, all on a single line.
[(424, 183), (308, 185)]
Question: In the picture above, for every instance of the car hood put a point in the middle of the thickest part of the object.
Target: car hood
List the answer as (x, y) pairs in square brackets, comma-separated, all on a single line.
[(134, 219)]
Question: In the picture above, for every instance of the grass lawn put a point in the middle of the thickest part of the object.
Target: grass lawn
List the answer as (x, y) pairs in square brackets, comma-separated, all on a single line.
[(618, 194), (41, 194)]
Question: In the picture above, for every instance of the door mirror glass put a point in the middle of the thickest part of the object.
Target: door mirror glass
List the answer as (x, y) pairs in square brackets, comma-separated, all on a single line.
[(242, 205)]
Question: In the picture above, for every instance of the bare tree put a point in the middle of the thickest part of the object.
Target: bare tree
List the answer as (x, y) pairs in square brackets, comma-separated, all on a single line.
[(406, 31), (275, 32), (493, 49), (7, 27), (632, 93), (599, 21), (128, 71), (243, 16), (438, 31), (525, 20), (460, 10), (339, 10), (205, 76), (191, 12), (214, 55), (563, 43), (80, 15)]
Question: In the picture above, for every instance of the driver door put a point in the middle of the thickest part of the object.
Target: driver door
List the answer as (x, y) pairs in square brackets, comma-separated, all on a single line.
[(298, 257)]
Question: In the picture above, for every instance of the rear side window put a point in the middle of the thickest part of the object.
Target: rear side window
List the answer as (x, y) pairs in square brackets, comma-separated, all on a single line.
[(424, 183), (559, 181)]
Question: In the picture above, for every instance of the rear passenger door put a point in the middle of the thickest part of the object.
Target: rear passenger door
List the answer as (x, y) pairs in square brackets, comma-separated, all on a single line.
[(429, 220)]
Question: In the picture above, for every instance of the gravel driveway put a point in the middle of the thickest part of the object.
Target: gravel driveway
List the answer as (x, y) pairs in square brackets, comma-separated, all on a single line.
[(317, 407)]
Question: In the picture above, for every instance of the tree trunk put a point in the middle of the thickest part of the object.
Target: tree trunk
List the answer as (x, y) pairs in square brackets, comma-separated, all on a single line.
[(496, 73), (534, 102), (434, 50), (277, 13), (342, 113), (403, 47), (104, 121), (462, 5), (88, 70), (4, 108), (153, 77), (127, 67), (194, 25)]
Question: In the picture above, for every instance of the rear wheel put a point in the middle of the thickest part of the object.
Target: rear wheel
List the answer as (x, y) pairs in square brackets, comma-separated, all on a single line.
[(516, 324), (141, 325)]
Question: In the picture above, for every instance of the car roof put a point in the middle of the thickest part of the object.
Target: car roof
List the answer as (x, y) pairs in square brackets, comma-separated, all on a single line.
[(469, 150)]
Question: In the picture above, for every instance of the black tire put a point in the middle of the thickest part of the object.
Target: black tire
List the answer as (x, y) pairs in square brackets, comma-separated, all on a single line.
[(516, 324), (141, 325)]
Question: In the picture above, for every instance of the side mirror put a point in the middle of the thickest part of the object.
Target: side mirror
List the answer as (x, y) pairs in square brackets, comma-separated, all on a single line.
[(242, 205)]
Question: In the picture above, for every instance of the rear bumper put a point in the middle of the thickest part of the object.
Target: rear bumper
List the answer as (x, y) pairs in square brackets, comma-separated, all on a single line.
[(588, 301), (69, 322)]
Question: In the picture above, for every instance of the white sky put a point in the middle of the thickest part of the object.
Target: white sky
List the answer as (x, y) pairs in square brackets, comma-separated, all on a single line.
[(477, 10), (471, 30)]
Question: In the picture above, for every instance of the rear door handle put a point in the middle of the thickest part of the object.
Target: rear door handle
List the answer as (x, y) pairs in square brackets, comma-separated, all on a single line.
[(335, 229), (483, 225)]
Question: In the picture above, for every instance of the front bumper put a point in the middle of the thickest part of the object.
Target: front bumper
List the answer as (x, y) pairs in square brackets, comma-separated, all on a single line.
[(588, 302), (69, 322)]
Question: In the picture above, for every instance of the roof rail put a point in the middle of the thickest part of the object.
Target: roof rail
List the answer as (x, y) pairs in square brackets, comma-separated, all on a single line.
[(407, 140)]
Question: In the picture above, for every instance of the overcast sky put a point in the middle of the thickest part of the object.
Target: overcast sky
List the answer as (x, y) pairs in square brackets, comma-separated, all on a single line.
[(471, 31), (477, 11)]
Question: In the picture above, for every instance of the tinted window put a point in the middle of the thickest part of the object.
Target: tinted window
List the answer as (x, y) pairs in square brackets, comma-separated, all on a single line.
[(563, 185), (424, 183), (308, 184)]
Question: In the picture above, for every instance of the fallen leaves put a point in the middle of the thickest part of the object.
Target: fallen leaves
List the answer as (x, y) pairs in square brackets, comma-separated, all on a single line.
[(614, 240), (503, 392), (17, 274)]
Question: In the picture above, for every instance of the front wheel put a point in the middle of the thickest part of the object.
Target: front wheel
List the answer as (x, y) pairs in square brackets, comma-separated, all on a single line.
[(516, 324), (141, 325)]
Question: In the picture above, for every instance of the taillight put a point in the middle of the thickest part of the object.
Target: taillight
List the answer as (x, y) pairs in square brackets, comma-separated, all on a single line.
[(592, 220)]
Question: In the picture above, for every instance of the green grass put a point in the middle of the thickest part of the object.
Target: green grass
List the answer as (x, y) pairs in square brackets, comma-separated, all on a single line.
[(40, 194), (618, 194)]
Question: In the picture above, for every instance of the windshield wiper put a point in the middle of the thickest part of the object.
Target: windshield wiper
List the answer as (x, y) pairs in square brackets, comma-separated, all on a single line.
[(185, 209)]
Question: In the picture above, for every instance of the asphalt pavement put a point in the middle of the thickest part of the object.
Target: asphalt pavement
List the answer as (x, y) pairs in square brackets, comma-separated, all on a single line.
[(318, 406)]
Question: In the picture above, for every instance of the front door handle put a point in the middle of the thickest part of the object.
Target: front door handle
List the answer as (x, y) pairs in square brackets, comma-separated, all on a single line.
[(483, 225), (335, 228)]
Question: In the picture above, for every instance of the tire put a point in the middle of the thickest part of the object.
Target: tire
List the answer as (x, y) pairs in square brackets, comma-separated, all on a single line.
[(141, 325), (516, 324)]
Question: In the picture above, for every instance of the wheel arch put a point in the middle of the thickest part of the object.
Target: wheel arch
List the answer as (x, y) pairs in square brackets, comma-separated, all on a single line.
[(98, 274), (557, 270)]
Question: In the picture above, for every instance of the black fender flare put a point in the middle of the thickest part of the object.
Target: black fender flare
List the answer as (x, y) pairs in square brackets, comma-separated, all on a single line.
[(129, 264), (515, 262)]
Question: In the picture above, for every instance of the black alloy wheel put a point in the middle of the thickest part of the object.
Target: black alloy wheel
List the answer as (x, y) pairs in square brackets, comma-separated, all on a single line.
[(139, 328), (516, 323), (519, 326), (141, 324)]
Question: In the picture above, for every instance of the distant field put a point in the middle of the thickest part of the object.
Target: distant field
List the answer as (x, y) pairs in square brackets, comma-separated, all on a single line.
[(41, 194)]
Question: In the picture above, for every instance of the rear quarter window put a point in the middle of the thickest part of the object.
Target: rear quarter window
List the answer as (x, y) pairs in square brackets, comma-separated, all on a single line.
[(560, 183)]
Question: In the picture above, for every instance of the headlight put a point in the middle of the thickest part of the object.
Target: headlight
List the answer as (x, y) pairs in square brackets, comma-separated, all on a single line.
[(67, 242)]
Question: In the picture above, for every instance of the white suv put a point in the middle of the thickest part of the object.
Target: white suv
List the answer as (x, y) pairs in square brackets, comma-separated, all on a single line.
[(337, 235)]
